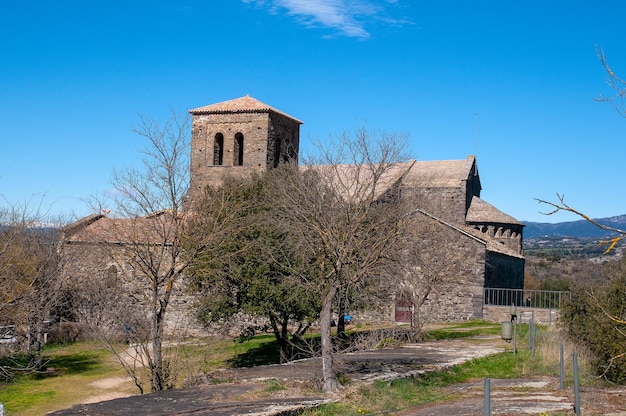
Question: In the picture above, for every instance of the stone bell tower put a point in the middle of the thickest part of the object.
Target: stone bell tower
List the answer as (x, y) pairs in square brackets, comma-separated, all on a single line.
[(237, 138)]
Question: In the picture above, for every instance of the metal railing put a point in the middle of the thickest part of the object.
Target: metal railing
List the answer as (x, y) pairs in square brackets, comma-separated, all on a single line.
[(545, 299)]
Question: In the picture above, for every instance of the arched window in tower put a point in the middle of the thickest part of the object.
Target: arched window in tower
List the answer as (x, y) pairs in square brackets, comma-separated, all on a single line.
[(277, 151), (218, 149), (238, 151)]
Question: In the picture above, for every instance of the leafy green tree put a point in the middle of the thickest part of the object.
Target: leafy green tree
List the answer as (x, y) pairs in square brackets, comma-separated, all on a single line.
[(596, 318), (257, 271)]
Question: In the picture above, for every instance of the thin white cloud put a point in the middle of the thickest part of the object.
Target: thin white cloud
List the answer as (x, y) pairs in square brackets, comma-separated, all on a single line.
[(348, 17)]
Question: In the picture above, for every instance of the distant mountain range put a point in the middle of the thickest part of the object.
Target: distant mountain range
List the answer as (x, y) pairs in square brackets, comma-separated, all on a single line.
[(582, 228)]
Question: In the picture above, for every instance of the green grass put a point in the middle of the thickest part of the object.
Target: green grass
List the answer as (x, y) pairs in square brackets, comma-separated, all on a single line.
[(260, 350), (76, 366), (73, 368), (273, 386), (462, 330), (384, 397), (70, 370), (434, 386)]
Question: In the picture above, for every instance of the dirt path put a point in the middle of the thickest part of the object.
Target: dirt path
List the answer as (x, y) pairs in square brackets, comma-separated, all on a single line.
[(109, 388)]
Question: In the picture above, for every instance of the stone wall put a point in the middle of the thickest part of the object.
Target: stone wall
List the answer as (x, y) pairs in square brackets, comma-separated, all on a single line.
[(254, 128), (283, 140), (459, 262), (508, 235), (457, 296), (541, 316), (448, 204), (472, 185), (102, 270), (268, 139)]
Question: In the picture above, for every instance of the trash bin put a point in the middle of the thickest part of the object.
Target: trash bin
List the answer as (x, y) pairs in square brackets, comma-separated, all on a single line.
[(507, 331)]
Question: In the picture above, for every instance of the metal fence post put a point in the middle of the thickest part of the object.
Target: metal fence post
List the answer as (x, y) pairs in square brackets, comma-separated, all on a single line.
[(530, 332), (515, 336), (561, 369), (534, 336), (487, 397), (576, 386), (550, 317)]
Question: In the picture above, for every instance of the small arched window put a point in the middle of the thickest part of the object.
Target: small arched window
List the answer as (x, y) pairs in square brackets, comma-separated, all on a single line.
[(238, 150), (111, 277), (277, 151), (112, 272), (218, 149)]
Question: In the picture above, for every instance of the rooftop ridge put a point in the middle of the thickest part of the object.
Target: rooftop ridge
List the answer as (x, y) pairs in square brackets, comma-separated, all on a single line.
[(245, 104)]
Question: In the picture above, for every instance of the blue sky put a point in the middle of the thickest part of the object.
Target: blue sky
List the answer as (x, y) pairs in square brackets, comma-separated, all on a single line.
[(510, 82)]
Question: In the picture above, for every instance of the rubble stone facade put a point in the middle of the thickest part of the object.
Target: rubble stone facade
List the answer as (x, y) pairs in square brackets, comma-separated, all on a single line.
[(244, 136), (237, 138), (448, 191)]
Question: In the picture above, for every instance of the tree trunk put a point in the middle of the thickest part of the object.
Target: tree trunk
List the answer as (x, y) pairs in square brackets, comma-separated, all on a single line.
[(341, 321), (157, 370), (282, 337), (331, 384), (157, 353), (159, 378)]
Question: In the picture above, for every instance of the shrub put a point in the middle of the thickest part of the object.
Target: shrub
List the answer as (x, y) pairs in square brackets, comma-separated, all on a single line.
[(596, 318)]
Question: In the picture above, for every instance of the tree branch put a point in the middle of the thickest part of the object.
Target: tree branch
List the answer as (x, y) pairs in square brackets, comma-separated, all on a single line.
[(562, 206)]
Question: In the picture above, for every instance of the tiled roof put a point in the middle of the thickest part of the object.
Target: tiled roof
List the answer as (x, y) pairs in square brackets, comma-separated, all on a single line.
[(439, 174), (244, 104), (483, 212), (475, 235), (428, 174), (349, 180), (154, 229)]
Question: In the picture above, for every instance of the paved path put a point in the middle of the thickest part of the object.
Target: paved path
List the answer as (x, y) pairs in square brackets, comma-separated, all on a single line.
[(508, 397), (245, 385), (247, 389)]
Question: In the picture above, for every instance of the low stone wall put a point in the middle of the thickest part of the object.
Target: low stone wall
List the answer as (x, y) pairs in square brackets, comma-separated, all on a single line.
[(503, 314)]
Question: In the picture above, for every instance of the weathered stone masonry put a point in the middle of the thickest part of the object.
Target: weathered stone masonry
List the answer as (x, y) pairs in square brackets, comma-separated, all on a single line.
[(244, 136), (239, 140)]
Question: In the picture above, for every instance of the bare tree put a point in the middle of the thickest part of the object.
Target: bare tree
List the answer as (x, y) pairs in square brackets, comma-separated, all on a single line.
[(139, 246), (340, 204), (602, 302), (30, 287), (618, 98)]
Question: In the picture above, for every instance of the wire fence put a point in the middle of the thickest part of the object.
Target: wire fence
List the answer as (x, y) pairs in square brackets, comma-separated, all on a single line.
[(540, 299)]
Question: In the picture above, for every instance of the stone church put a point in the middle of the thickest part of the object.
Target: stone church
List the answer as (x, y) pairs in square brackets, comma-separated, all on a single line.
[(245, 135), (484, 245)]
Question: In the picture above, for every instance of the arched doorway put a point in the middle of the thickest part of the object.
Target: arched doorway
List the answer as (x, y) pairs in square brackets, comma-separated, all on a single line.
[(404, 311)]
